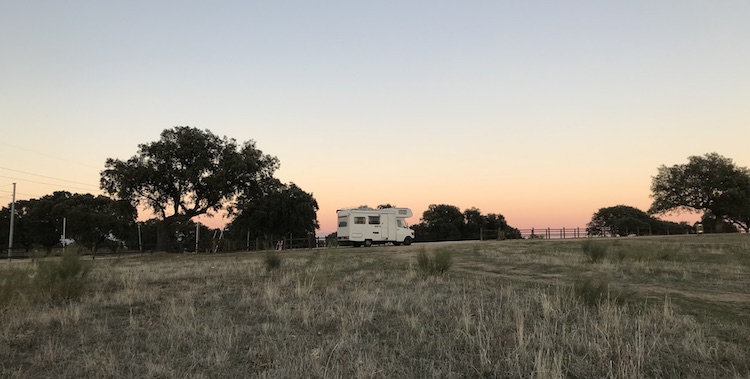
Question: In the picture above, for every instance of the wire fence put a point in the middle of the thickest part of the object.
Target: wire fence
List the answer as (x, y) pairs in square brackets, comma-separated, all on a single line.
[(291, 242), (554, 233)]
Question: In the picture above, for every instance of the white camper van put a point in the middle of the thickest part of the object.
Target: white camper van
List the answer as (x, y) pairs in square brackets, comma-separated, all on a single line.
[(374, 226)]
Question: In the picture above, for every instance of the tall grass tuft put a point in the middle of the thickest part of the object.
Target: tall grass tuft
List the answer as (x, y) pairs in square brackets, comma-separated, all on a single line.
[(61, 280), (439, 263), (272, 260), (594, 251)]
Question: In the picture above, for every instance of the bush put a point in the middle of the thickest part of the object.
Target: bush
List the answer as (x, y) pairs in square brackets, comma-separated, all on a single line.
[(439, 263), (594, 251), (272, 260), (54, 280), (14, 284), (61, 280), (593, 292)]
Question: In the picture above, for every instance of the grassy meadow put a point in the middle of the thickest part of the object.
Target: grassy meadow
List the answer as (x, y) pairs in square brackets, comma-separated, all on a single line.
[(638, 307)]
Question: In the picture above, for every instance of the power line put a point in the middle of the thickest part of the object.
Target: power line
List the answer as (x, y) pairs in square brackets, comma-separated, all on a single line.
[(47, 184), (48, 155), (44, 176), (18, 193)]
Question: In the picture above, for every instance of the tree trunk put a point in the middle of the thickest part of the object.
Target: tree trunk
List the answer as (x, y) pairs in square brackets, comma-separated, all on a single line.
[(165, 227), (162, 235)]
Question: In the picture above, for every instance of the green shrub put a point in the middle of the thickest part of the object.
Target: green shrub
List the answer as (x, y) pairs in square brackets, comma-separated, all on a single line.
[(443, 261), (591, 292), (272, 260), (439, 263), (14, 284), (61, 279), (594, 251)]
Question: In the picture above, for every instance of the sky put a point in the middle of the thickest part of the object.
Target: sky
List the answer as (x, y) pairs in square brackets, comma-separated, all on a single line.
[(542, 111)]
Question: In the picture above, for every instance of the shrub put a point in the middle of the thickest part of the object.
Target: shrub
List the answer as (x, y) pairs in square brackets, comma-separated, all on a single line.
[(13, 285), (439, 263), (594, 251), (272, 260), (61, 280), (591, 292), (443, 261)]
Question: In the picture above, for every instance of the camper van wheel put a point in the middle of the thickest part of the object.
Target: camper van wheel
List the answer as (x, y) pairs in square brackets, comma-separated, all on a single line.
[(368, 243), (407, 241)]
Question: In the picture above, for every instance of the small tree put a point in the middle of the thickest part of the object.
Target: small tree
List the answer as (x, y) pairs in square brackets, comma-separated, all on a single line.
[(618, 220), (443, 222), (281, 210)]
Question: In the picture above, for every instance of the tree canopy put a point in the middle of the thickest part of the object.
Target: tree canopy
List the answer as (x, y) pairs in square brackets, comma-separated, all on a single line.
[(709, 183), (441, 222), (90, 220), (622, 220), (186, 173), (282, 209)]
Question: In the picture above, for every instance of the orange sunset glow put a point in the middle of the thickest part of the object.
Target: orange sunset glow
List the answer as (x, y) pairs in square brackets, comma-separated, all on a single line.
[(543, 114)]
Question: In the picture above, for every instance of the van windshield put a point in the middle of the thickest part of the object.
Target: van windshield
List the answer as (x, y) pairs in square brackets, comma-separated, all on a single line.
[(401, 223)]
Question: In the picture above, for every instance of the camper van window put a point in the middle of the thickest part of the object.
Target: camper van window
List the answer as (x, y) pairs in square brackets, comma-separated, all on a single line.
[(399, 223), (359, 220), (374, 220), (342, 224)]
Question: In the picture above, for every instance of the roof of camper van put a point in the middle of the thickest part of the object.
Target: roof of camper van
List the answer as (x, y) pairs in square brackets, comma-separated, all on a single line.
[(399, 211)]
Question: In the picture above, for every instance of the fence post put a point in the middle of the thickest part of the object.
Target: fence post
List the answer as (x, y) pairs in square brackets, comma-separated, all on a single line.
[(480, 234)]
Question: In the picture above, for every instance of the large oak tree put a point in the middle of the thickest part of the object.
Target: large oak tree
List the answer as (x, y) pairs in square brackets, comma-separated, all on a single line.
[(711, 184), (187, 173)]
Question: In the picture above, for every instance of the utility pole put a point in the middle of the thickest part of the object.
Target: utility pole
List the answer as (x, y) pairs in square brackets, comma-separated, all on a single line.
[(12, 215), (140, 241), (62, 240), (197, 233)]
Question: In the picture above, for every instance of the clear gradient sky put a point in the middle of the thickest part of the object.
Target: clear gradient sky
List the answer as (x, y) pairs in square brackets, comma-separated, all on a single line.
[(543, 111)]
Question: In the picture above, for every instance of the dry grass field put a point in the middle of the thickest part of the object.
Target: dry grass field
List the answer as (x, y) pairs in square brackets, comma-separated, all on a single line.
[(641, 307)]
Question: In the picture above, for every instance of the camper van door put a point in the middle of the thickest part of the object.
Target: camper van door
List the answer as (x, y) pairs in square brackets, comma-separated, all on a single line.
[(384, 231), (388, 227)]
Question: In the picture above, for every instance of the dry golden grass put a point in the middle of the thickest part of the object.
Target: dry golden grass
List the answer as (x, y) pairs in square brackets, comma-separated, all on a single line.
[(673, 307)]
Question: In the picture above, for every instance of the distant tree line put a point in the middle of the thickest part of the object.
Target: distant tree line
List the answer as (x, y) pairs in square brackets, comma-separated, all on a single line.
[(191, 172), (443, 222), (92, 221)]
